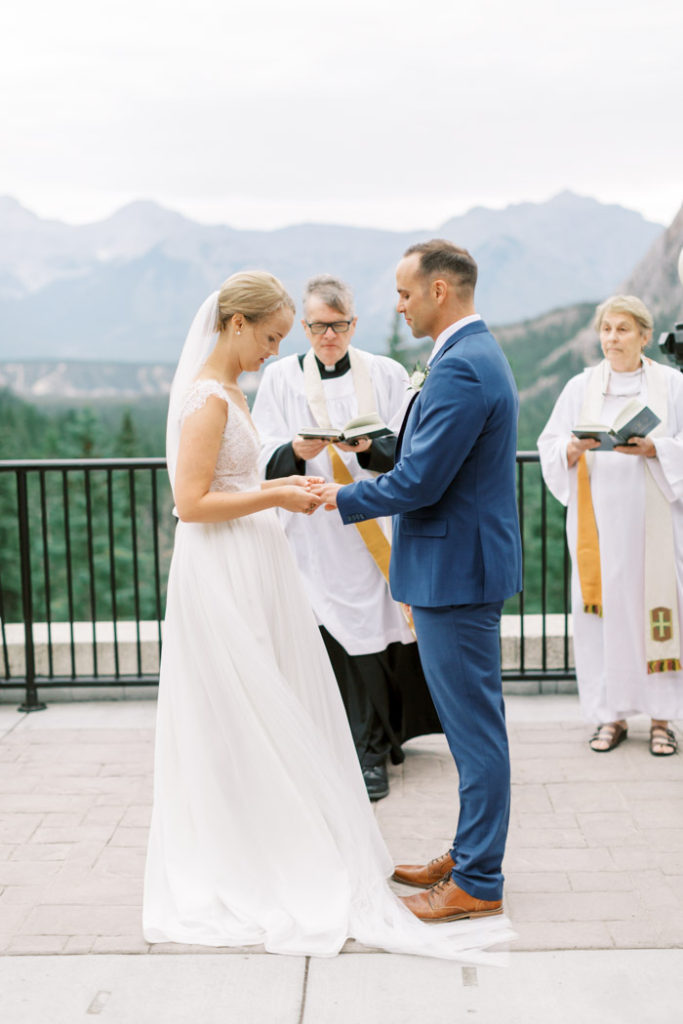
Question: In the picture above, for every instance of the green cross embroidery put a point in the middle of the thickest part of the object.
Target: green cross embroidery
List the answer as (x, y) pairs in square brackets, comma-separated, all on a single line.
[(662, 623)]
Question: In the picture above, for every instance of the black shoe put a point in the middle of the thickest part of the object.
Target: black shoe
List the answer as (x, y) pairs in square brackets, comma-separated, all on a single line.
[(376, 781)]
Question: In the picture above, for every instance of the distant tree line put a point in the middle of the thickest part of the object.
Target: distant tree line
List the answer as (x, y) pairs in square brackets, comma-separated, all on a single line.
[(100, 540), (81, 430)]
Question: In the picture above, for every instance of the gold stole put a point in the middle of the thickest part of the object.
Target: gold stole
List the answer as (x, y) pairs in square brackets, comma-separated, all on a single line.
[(370, 530), (587, 545)]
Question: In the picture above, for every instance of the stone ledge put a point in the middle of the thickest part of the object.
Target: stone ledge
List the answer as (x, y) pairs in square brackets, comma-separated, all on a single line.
[(539, 632), (108, 641)]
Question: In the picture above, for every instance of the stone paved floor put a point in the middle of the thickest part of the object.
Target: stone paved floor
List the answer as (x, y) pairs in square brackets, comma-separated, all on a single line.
[(594, 860)]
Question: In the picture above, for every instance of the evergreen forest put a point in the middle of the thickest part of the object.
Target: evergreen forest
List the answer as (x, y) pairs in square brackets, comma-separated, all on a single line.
[(99, 539)]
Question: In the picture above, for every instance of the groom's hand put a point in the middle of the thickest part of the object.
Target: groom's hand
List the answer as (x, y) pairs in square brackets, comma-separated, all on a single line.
[(328, 493)]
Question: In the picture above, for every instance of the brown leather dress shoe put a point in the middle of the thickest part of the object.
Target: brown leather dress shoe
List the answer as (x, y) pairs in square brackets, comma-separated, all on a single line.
[(445, 901), (424, 875)]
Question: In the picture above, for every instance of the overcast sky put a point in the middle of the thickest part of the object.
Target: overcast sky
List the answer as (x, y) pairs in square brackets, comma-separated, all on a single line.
[(396, 114)]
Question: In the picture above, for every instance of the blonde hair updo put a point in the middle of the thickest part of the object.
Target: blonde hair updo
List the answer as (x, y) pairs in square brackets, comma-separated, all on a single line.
[(253, 293)]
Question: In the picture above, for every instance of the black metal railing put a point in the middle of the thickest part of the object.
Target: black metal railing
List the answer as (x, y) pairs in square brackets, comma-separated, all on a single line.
[(546, 580), (85, 547), (84, 551)]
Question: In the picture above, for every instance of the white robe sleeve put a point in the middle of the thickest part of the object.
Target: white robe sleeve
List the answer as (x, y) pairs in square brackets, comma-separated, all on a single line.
[(390, 382), (667, 468), (552, 444), (269, 412)]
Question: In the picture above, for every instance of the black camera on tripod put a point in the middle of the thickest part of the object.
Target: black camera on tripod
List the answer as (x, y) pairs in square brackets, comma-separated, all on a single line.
[(671, 342)]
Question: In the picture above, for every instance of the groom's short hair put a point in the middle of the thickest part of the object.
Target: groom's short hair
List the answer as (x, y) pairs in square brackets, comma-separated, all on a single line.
[(439, 256)]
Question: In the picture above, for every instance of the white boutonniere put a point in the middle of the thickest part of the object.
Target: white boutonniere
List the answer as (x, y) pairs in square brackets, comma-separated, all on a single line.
[(418, 377)]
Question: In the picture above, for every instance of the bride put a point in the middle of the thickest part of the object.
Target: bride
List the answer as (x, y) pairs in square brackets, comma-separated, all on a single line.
[(261, 832)]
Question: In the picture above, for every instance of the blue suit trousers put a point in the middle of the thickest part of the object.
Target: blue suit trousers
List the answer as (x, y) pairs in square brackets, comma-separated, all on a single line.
[(460, 651)]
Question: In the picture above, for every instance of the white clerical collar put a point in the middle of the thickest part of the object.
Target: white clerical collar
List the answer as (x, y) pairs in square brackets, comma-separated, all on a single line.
[(445, 335)]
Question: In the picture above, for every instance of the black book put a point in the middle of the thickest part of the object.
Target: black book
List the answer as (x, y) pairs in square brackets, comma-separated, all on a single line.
[(634, 420), (363, 426)]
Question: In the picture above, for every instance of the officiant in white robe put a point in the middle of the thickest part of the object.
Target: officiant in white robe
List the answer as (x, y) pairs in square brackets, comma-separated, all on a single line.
[(366, 634), (627, 609)]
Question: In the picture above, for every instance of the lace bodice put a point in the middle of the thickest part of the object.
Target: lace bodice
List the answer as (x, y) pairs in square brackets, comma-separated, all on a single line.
[(236, 465)]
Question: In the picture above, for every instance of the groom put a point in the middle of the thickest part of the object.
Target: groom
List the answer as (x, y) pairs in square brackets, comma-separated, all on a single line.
[(455, 557)]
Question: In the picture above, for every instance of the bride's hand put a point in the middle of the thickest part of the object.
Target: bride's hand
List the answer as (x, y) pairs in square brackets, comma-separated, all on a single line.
[(295, 498), (308, 482), (327, 493)]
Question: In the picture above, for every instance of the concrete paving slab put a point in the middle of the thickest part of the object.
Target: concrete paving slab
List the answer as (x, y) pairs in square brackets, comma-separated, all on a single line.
[(591, 987), (150, 990), (105, 714), (10, 718), (542, 708)]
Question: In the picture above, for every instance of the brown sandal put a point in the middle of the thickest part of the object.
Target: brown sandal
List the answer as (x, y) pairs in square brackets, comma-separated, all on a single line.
[(661, 737), (611, 733)]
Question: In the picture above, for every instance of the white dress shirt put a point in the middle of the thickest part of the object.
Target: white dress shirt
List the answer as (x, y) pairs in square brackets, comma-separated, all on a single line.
[(445, 335)]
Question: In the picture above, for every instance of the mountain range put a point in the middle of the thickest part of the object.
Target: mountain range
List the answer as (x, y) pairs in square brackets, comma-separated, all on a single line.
[(655, 279), (546, 351), (126, 288)]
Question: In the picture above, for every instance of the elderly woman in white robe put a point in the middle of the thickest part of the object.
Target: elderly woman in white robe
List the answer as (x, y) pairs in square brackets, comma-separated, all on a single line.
[(624, 530)]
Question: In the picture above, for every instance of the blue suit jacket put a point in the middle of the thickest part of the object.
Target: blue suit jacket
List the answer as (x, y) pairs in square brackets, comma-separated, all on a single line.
[(452, 490)]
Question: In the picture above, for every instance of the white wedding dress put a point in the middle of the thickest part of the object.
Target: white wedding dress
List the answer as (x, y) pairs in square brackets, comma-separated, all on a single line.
[(262, 832)]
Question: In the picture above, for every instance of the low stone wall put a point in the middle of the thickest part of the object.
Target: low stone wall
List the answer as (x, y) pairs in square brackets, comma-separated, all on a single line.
[(536, 635), (110, 644), (539, 634)]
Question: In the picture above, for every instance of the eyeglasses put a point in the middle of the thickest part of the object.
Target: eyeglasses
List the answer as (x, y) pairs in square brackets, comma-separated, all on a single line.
[(339, 326)]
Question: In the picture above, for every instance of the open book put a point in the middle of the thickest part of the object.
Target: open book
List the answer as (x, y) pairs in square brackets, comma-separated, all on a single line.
[(363, 426), (634, 420)]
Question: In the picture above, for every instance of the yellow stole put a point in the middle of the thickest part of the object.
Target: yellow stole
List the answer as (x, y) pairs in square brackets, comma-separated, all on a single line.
[(371, 532), (587, 544)]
